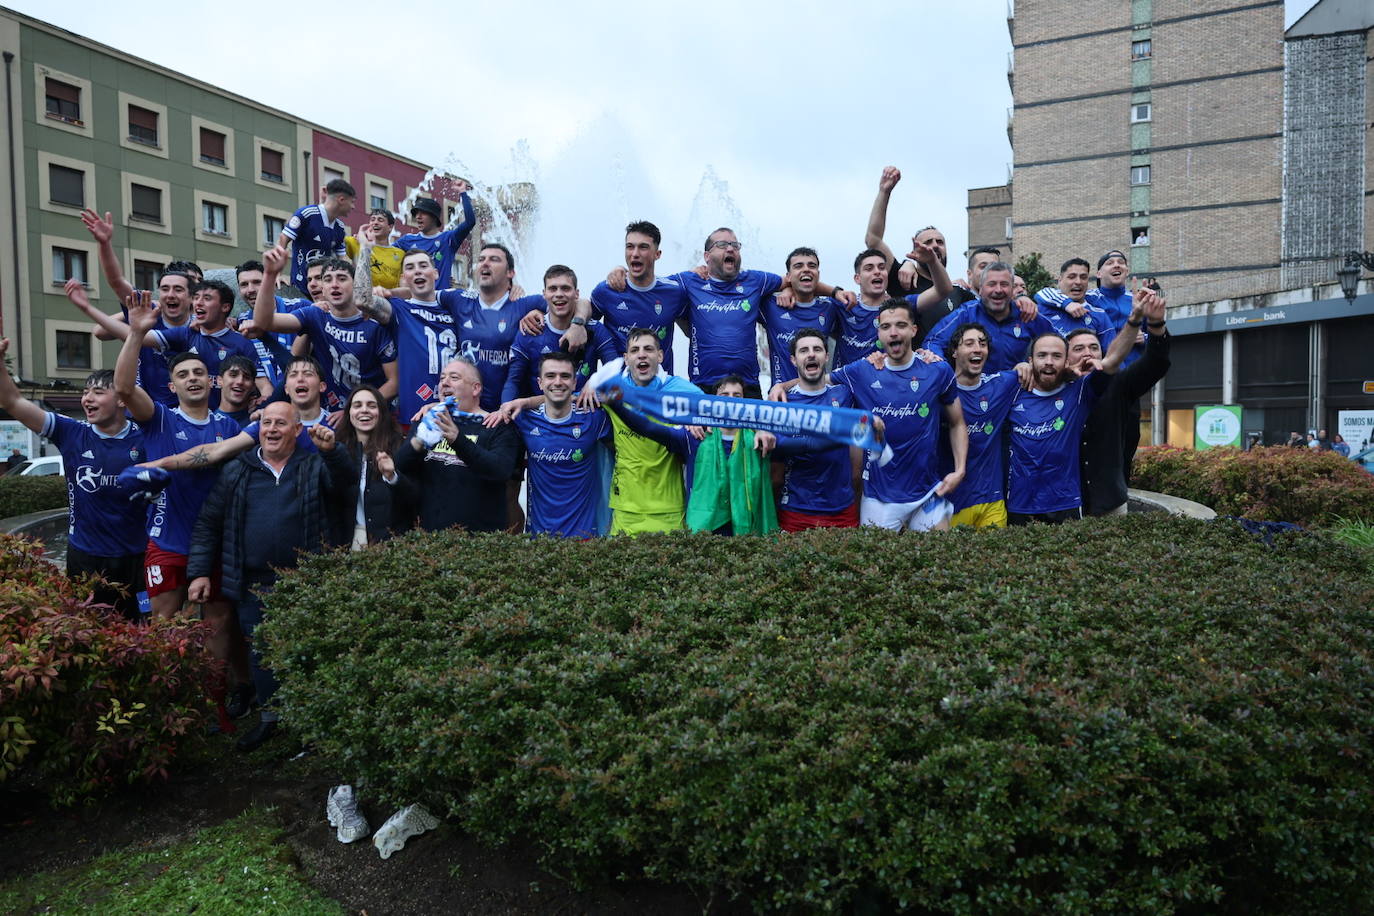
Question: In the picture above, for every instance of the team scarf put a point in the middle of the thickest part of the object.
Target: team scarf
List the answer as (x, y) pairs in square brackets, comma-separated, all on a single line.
[(841, 425)]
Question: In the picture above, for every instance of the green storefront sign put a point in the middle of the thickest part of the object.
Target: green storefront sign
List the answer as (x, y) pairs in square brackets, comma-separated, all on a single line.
[(1216, 425)]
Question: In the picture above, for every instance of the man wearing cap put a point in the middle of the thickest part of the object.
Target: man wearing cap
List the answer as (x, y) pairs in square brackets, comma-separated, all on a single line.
[(386, 258), (441, 247), (1111, 295)]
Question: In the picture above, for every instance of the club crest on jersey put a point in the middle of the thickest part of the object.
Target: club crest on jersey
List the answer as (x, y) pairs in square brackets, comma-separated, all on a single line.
[(577, 432), (135, 455), (1059, 404), (658, 308), (223, 353), (983, 404), (739, 288), (501, 325), (915, 385), (1016, 330)]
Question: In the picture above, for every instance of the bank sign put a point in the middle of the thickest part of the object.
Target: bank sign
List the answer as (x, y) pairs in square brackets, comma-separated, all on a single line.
[(1215, 426)]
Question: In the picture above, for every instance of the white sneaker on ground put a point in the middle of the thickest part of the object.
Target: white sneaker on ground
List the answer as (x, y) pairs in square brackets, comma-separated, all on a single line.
[(401, 826), (342, 811)]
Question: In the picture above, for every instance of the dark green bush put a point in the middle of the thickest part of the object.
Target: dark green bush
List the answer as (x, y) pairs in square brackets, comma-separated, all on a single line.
[(88, 700), (22, 495), (1129, 715), (1276, 484)]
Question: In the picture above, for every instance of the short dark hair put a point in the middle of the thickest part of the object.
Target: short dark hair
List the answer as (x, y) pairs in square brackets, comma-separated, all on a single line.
[(868, 253), (802, 335), (895, 303), (226, 295), (560, 270), (635, 333), (248, 267), (799, 250), (183, 267), (176, 273), (1078, 332), (959, 333), (1071, 262), (307, 360), (183, 357), (556, 356), (983, 249), (339, 186), (707, 245), (510, 258), (383, 211), (644, 227), (731, 379), (414, 251), (337, 263), (100, 378), (240, 362)]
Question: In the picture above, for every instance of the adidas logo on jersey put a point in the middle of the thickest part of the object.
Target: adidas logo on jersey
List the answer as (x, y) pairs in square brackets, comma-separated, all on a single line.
[(181, 434), (468, 324), (1019, 408), (622, 307), (87, 454), (876, 384)]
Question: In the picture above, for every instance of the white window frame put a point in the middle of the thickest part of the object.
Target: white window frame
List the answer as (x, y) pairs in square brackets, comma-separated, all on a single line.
[(163, 123), (50, 284), (228, 168), (50, 328), (45, 201), (126, 182), (1135, 112), (40, 87), (231, 218), (1148, 174), (1142, 41), (260, 144)]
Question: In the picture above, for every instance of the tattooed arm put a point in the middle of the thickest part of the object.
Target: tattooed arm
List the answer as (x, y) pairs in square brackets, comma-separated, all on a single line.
[(202, 456)]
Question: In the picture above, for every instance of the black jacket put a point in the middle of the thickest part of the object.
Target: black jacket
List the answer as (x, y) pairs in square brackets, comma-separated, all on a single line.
[(220, 533), (464, 484), (1113, 429), (388, 508)]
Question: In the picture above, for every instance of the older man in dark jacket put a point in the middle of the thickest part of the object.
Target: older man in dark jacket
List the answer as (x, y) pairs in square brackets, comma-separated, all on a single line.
[(269, 504)]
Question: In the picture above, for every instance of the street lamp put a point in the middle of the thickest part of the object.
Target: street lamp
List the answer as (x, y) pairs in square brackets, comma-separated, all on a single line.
[(1349, 275)]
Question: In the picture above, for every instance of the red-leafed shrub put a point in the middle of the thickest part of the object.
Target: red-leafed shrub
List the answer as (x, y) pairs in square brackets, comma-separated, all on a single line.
[(1276, 484), (89, 700)]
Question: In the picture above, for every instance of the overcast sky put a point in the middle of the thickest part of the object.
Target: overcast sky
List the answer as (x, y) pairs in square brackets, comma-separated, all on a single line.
[(774, 116)]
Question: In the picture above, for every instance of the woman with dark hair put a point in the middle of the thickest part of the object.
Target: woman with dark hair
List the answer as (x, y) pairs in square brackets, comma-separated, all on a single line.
[(383, 501)]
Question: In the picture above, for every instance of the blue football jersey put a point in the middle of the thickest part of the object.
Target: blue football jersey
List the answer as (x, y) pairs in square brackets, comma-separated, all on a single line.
[(173, 515), (101, 519), (818, 481), (565, 488), (1046, 429), (485, 335), (656, 309), (1053, 307), (442, 247), (858, 334), (522, 378), (985, 407), (213, 349), (312, 234), (821, 313), (909, 401), (426, 340), (724, 315), (351, 351), (1010, 338)]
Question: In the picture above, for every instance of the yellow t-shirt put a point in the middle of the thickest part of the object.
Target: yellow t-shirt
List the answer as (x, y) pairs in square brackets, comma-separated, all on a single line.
[(386, 262), (647, 478)]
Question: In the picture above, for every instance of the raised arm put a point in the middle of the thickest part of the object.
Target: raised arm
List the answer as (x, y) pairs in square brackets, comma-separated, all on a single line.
[(141, 321), (941, 287), (877, 217), (1143, 308), (265, 314), (672, 438), (15, 404), (102, 230), (365, 297), (106, 326)]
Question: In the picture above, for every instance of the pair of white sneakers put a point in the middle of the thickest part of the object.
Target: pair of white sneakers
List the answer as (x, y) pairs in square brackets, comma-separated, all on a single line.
[(342, 810)]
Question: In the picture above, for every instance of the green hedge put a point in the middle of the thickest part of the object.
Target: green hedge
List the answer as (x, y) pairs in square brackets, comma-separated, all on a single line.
[(22, 495), (1142, 714), (1275, 484), (88, 700)]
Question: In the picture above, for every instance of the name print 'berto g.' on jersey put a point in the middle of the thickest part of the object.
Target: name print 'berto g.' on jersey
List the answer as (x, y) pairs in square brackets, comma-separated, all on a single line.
[(351, 351)]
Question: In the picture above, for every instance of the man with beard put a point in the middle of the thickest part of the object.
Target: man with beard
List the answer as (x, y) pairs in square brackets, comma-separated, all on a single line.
[(929, 279), (1047, 428)]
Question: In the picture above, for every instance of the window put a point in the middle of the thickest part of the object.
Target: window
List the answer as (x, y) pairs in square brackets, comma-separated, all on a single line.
[(1141, 50), (145, 203), (66, 186), (63, 101), (214, 218), (327, 174), (146, 274), (272, 165), (73, 350), (1140, 235), (68, 264), (271, 230), (142, 125), (212, 146), (1140, 174), (1008, 227), (1140, 112), (376, 196)]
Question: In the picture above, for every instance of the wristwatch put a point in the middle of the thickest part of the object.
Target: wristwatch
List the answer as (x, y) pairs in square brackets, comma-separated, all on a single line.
[(579, 321)]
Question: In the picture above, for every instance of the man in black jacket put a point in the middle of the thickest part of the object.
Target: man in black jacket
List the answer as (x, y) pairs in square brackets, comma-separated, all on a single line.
[(1113, 426), (459, 461), (269, 504)]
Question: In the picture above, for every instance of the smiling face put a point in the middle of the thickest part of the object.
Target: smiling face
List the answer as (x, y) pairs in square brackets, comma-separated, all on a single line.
[(996, 291), (896, 330), (174, 297), (1073, 282), (101, 405), (236, 389), (364, 412), (808, 355), (250, 283), (971, 353), (277, 431), (1048, 357), (560, 291), (462, 382), (1114, 271), (304, 386), (643, 356), (557, 378), (641, 253), (872, 276), (723, 255), (419, 273), (208, 310), (313, 287), (803, 270), (190, 382), (494, 273)]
